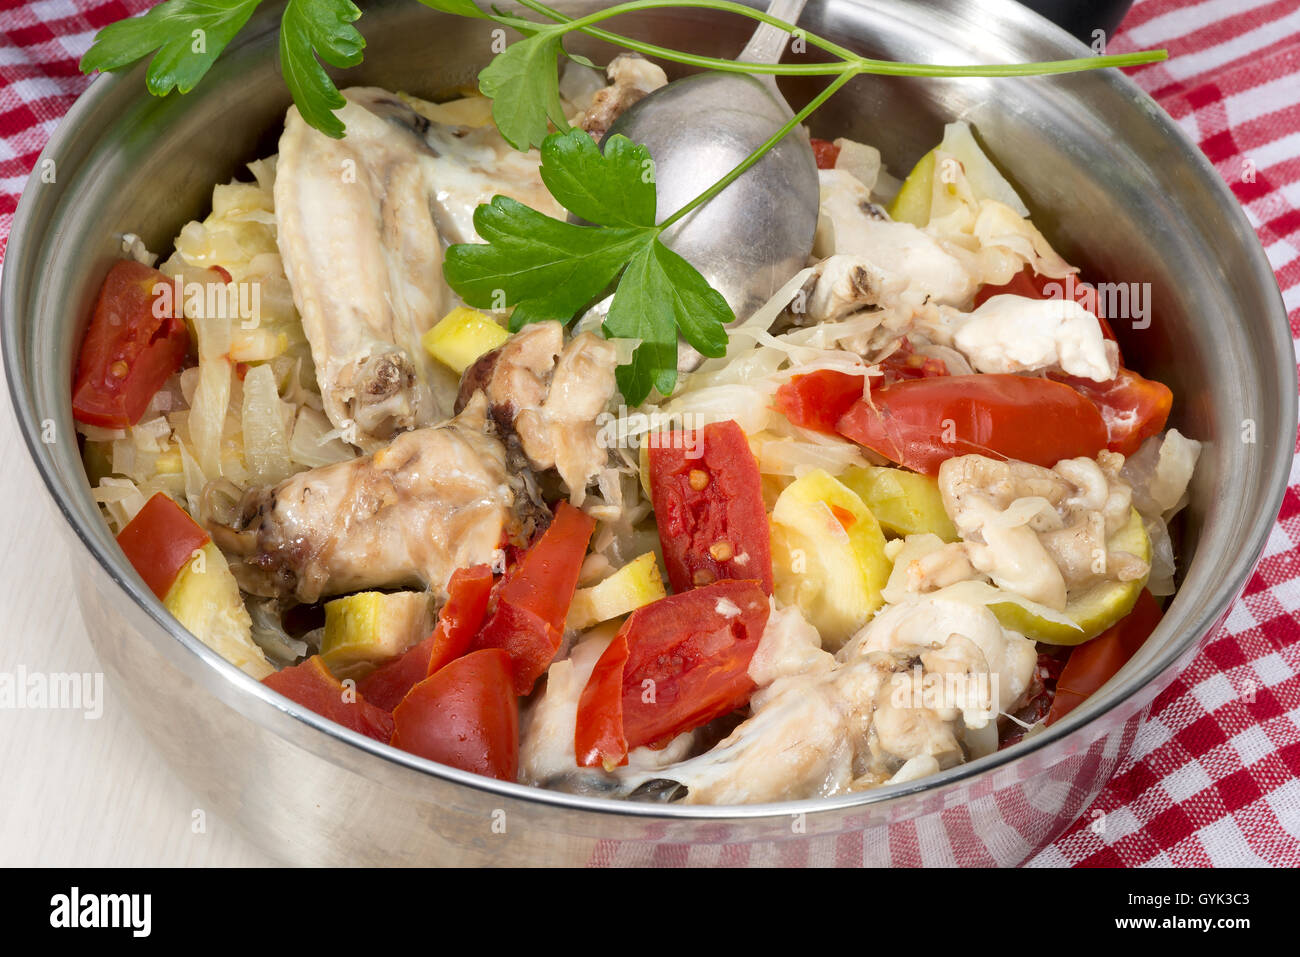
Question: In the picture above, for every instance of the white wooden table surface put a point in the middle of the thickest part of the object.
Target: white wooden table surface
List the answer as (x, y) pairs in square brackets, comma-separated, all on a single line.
[(76, 791)]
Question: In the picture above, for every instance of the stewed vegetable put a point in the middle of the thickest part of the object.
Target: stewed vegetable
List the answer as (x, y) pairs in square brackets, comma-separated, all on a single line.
[(911, 508)]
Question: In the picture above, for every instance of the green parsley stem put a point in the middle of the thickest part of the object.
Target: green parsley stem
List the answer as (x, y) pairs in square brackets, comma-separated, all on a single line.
[(692, 59), (850, 61)]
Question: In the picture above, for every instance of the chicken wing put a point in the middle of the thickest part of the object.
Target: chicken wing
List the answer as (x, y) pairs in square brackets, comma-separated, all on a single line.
[(362, 253), (433, 500)]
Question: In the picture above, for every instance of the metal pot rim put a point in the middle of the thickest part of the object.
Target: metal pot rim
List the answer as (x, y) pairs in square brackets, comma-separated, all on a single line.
[(1074, 726)]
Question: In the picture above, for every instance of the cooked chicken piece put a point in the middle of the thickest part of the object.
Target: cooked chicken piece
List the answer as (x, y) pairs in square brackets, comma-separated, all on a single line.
[(547, 395), (925, 563), (514, 376), (790, 646), (1039, 532), (912, 268), (433, 500), (910, 685), (561, 433), (469, 167), (362, 223), (631, 78), (362, 253), (842, 286), (1008, 334), (962, 638)]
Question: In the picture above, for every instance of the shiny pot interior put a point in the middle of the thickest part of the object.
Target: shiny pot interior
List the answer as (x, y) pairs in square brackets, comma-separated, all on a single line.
[(1109, 179)]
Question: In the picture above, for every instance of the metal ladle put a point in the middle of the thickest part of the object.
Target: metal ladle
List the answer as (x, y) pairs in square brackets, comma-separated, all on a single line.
[(758, 232)]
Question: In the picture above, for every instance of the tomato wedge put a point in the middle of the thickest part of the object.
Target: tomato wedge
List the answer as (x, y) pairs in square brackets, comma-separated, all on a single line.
[(460, 618), (311, 685), (1095, 662), (387, 685), (825, 153), (680, 662), (533, 600), (818, 399), (1133, 408), (132, 345), (708, 502), (906, 363), (465, 716), (598, 738), (458, 621), (922, 423), (159, 541)]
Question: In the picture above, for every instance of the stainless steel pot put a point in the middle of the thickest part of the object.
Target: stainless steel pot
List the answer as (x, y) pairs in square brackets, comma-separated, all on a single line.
[(1111, 180)]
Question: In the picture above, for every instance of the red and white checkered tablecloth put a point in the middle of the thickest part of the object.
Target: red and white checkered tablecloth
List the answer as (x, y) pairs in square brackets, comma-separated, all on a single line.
[(1213, 777)]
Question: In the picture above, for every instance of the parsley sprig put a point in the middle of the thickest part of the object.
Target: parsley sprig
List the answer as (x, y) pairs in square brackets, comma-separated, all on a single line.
[(550, 269), (186, 37), (542, 267)]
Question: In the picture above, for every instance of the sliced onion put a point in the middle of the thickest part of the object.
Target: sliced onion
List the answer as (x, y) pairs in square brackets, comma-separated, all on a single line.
[(266, 443), (860, 161), (314, 442)]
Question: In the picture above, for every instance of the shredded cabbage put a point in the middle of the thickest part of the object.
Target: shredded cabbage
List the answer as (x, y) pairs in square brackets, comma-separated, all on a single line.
[(265, 420)]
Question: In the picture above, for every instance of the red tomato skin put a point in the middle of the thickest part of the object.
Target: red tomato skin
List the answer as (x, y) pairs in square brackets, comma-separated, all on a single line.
[(529, 640), (1133, 408), (466, 716), (1095, 662), (696, 658), (461, 616), (598, 739), (533, 601), (906, 363), (312, 685), (729, 509), (159, 541), (387, 685), (825, 153), (1001, 416), (818, 400), (128, 352), (458, 621)]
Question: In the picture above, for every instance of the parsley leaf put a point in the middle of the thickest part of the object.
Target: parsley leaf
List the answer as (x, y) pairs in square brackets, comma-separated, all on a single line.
[(523, 82), (549, 269), (311, 28), (637, 313), (188, 36), (700, 311), (545, 268), (461, 8), (613, 189)]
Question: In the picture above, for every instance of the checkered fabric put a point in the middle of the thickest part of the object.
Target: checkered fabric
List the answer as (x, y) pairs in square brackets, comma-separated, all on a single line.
[(1211, 777)]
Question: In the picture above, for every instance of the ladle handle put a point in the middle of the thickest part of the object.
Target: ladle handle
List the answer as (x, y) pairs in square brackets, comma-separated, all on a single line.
[(768, 42)]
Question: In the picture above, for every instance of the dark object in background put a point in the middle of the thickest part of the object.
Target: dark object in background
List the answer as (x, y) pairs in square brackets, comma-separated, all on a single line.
[(1082, 17)]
